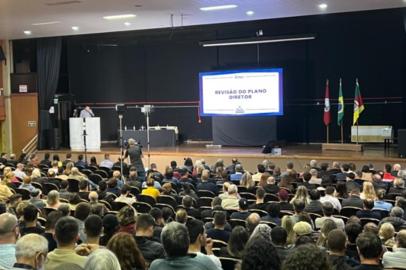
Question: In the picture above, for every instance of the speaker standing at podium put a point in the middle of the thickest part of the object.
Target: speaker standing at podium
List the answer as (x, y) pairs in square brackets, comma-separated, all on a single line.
[(86, 112)]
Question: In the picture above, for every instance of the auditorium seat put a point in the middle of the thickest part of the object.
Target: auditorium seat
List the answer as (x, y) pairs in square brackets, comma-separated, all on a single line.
[(205, 193), (47, 187), (260, 212), (147, 199), (166, 199), (73, 185), (204, 201), (95, 178), (269, 197), (142, 207), (368, 220), (229, 263), (24, 193), (349, 211), (248, 196), (237, 222), (269, 223)]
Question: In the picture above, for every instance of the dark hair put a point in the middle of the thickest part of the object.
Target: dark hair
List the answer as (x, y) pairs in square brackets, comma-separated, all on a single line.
[(314, 195), (93, 226), (369, 204), (261, 168), (346, 167), (341, 189), (260, 254), (307, 176), (219, 218), (260, 193), (174, 164), (328, 209), (144, 221), (83, 184), (175, 239), (80, 157), (299, 205), (388, 168), (156, 213), (55, 157), (195, 227), (236, 243), (64, 184), (352, 230), (381, 193), (52, 219), (68, 155), (187, 201), (369, 245), (303, 240), (46, 156), (330, 190), (167, 214), (307, 257), (66, 231), (125, 188), (82, 211), (279, 236), (110, 224), (188, 162), (274, 209), (102, 185), (30, 213), (124, 246), (336, 240)]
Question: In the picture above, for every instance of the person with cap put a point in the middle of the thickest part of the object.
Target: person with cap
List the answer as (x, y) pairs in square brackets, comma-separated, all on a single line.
[(242, 211)]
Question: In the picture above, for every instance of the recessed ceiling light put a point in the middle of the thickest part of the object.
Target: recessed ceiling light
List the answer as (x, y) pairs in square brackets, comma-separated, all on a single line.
[(75, 28), (119, 17), (127, 24), (250, 13), (27, 32), (212, 8), (46, 23), (323, 6)]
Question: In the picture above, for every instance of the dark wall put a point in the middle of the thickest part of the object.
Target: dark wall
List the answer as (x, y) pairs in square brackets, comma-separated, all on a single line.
[(161, 67)]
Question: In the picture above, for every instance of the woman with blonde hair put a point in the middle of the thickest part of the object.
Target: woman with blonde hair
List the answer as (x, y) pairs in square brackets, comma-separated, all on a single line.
[(288, 223), (247, 182), (301, 194), (8, 176), (35, 174), (327, 227), (76, 174), (387, 234), (368, 191)]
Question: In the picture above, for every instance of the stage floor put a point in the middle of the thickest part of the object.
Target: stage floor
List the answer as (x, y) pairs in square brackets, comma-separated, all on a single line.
[(300, 154)]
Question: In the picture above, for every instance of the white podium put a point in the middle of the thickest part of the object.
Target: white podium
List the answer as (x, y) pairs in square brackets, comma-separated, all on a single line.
[(92, 127)]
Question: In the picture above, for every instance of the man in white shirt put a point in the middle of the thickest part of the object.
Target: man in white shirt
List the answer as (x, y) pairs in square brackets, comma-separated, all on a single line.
[(86, 112), (328, 211), (330, 198), (106, 162), (397, 258), (19, 171), (125, 192), (314, 180), (198, 240)]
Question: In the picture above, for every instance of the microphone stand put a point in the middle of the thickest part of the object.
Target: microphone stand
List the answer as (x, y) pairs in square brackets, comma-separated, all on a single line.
[(84, 138), (120, 119)]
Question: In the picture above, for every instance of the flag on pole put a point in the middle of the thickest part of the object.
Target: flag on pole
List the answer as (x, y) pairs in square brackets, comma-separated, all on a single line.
[(358, 103), (326, 116), (340, 111)]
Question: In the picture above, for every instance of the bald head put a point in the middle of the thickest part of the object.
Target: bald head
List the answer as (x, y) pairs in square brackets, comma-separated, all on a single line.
[(252, 221), (8, 228), (93, 196)]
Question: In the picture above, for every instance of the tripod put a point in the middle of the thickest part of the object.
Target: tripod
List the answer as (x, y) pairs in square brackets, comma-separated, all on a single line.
[(84, 138), (120, 119), (147, 109)]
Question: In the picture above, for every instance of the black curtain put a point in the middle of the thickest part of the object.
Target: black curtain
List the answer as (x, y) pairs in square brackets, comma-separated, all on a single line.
[(48, 61), (244, 130)]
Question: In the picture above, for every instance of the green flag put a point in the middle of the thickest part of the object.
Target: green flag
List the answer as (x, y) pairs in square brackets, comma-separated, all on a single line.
[(340, 111)]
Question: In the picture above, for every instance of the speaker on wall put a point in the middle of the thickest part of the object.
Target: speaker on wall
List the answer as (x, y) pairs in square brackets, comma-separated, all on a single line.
[(402, 142)]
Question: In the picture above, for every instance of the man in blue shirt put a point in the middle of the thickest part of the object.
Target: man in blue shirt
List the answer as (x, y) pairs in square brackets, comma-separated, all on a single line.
[(8, 237), (380, 203)]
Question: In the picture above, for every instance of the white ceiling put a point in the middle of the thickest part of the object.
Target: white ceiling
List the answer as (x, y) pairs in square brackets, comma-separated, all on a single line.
[(19, 15)]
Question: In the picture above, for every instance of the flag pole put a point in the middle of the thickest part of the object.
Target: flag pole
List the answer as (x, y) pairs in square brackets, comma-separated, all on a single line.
[(328, 135), (342, 134), (357, 130)]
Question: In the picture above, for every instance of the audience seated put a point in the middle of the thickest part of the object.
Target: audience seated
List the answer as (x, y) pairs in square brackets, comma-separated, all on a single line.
[(218, 232), (66, 235), (31, 252), (242, 211), (367, 212), (144, 232), (138, 241), (397, 258), (198, 241), (8, 237), (370, 251), (175, 240)]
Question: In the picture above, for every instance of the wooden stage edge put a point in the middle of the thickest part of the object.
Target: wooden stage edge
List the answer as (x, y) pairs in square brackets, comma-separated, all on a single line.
[(371, 153)]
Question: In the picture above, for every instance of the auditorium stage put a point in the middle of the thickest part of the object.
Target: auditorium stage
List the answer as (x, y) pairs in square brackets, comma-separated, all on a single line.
[(300, 154)]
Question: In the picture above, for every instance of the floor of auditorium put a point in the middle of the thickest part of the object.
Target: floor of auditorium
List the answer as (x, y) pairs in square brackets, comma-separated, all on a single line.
[(300, 154)]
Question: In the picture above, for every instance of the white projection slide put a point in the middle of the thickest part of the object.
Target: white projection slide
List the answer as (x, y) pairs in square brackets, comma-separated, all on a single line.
[(241, 92)]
